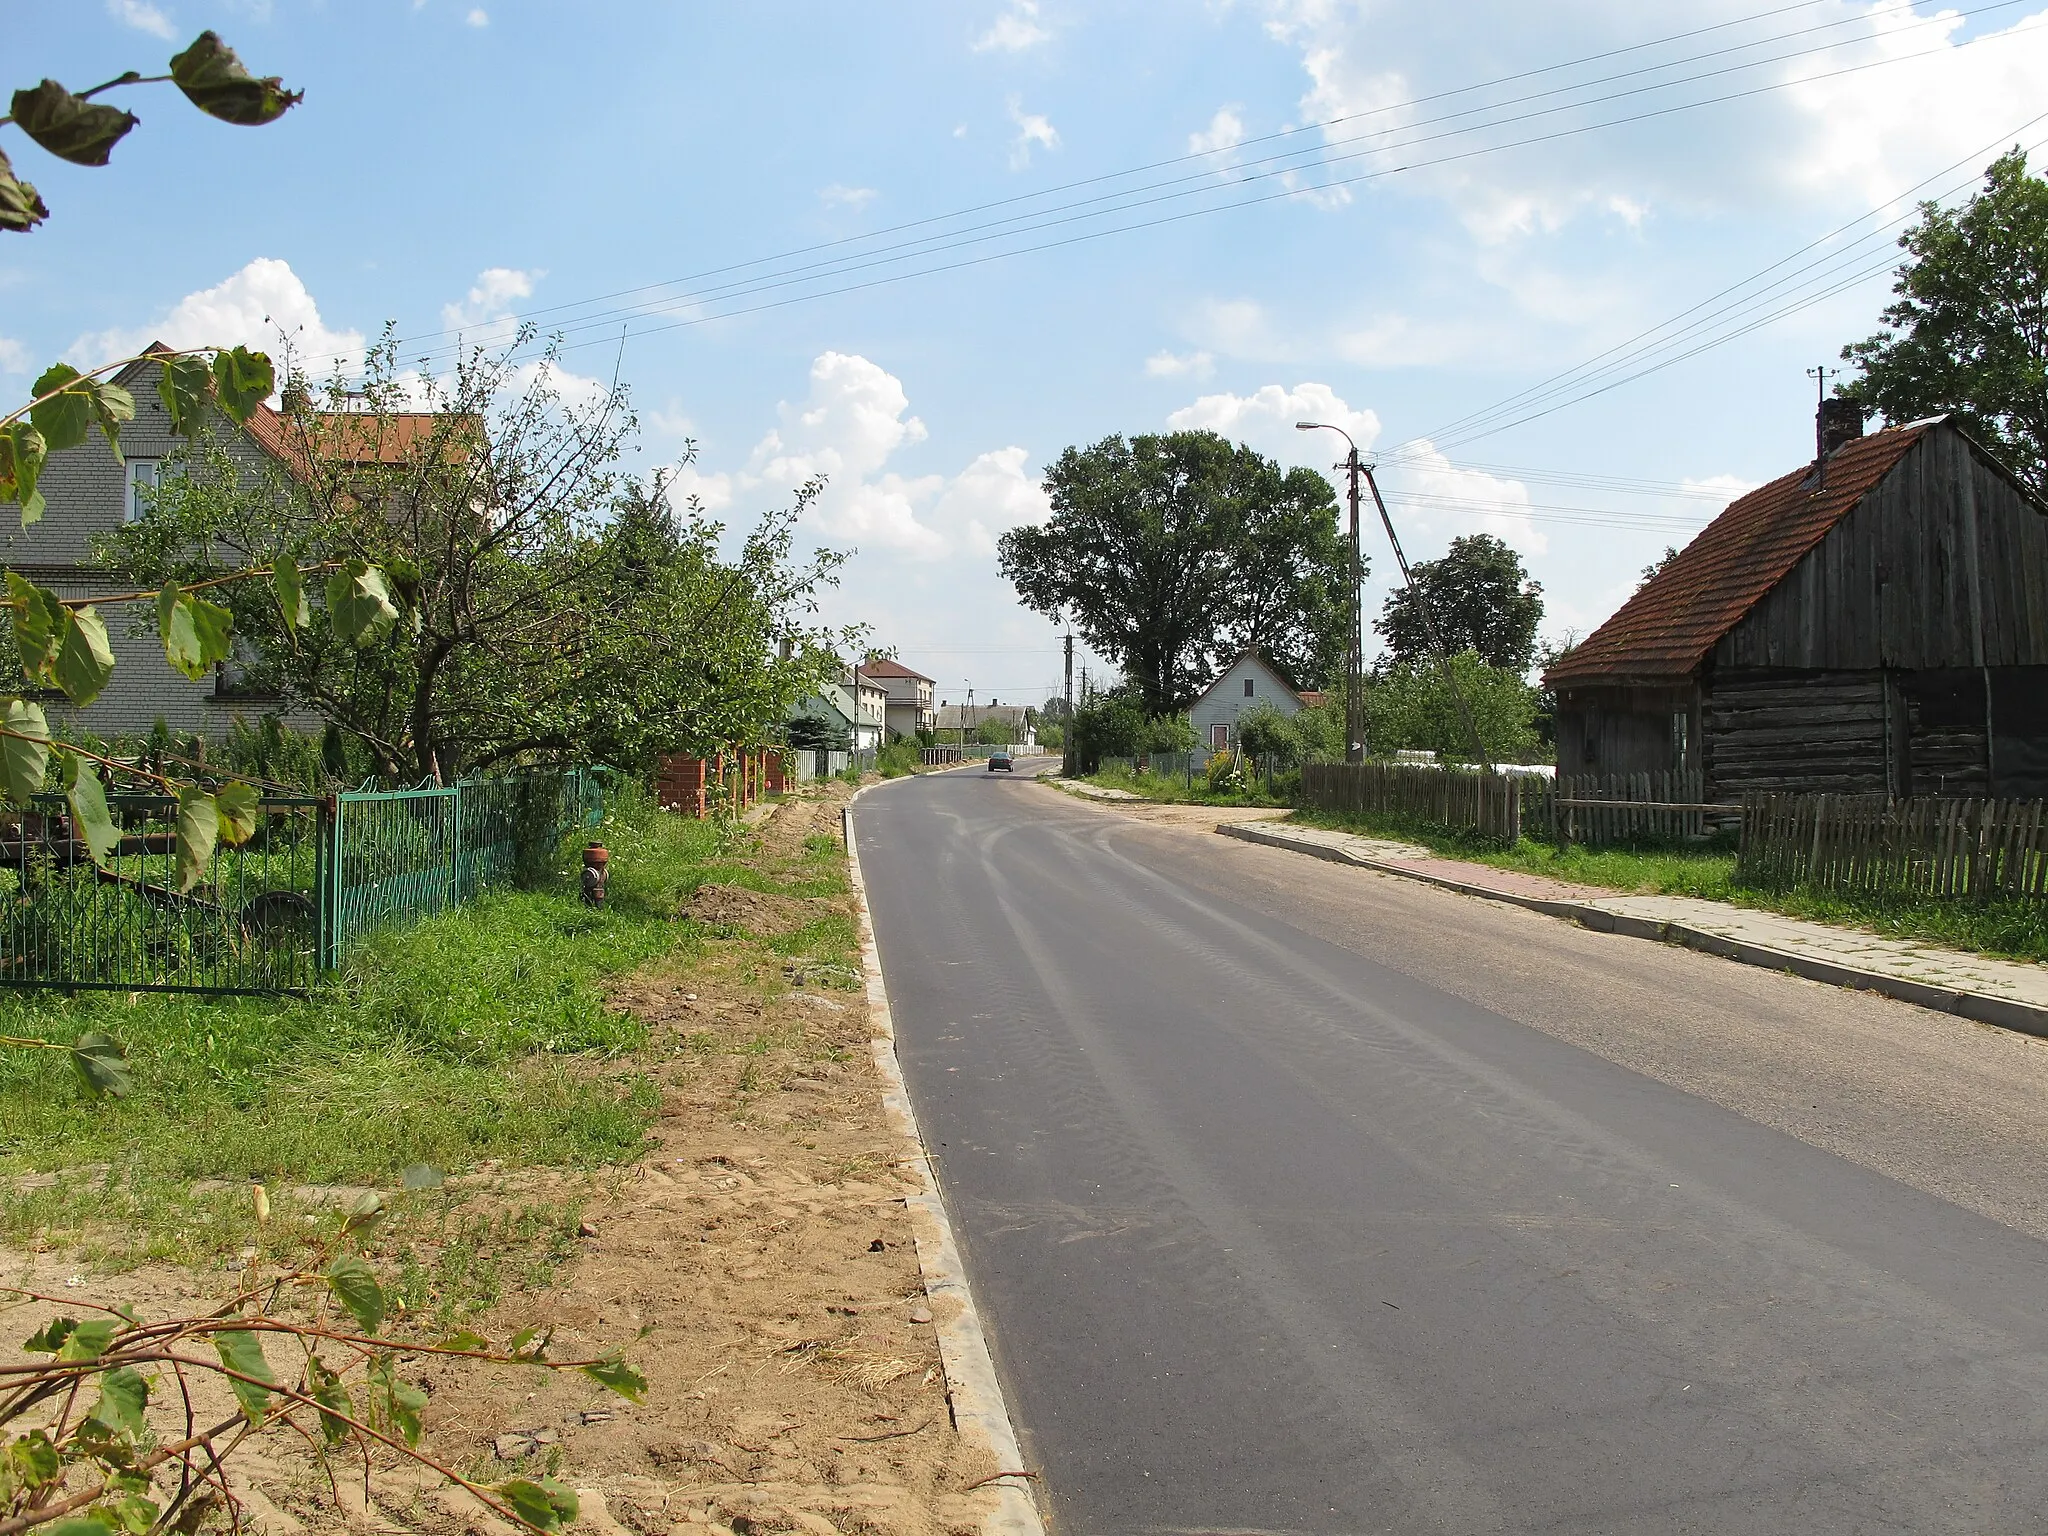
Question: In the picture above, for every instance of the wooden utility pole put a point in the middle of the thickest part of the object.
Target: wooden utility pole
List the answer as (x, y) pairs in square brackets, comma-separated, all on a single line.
[(1354, 658)]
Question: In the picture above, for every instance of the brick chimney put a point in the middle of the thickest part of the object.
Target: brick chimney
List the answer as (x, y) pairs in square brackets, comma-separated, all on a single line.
[(1839, 421)]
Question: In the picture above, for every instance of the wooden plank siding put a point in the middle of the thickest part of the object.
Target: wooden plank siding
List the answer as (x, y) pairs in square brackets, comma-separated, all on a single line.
[(1774, 732)]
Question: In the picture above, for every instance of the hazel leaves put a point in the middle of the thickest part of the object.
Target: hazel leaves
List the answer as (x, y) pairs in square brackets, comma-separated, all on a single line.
[(70, 127), (219, 84)]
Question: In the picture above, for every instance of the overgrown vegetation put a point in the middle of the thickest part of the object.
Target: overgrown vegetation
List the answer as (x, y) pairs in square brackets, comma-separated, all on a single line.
[(2008, 929)]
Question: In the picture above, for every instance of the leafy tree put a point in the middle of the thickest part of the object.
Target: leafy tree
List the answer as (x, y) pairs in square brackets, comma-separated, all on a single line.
[(1167, 733), (812, 733), (992, 732), (1409, 705), (1263, 731), (1968, 332), (1108, 725), (1481, 598), (1670, 554), (1173, 554), (555, 607)]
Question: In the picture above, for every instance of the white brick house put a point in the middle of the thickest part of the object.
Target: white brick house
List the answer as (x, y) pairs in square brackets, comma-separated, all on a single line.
[(1247, 683)]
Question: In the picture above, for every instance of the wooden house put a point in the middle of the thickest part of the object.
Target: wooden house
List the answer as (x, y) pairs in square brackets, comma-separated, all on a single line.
[(1874, 622)]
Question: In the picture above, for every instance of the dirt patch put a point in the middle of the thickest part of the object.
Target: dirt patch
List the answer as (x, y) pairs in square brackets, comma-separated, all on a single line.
[(756, 1264), (766, 913)]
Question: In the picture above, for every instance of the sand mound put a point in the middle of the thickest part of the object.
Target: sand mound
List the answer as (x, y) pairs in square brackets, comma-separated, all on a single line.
[(756, 912)]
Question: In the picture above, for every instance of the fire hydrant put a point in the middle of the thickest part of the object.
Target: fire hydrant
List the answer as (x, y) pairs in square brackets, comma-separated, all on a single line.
[(595, 857)]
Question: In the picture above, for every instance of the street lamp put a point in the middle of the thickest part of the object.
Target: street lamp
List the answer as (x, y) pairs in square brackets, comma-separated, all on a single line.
[(1354, 663)]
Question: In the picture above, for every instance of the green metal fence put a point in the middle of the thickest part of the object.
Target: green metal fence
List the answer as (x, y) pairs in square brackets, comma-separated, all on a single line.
[(275, 912)]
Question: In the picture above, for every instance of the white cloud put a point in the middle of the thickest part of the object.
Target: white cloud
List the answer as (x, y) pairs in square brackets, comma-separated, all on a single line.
[(1440, 500), (14, 357), (478, 17), (1015, 30), (251, 309), (490, 299), (1225, 131), (1838, 143), (856, 198), (1032, 128), (143, 17), (1265, 420), (849, 428), (1171, 365)]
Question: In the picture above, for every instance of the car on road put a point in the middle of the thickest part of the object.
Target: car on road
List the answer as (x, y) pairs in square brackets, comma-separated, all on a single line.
[(1000, 761)]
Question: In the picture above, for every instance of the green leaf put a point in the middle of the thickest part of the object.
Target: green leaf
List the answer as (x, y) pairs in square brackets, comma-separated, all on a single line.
[(88, 804), (531, 1344), (70, 127), (102, 1065), (124, 1394), (355, 1286), (331, 1393), (397, 1404), (364, 1215), (291, 593), (23, 763), (422, 1176), (21, 206), (85, 659), (78, 1525), (37, 614), (131, 1513), (185, 385), (240, 806), (69, 1339), (612, 1371), (26, 455), (220, 85), (242, 1352), (66, 416), (31, 1461), (111, 407), (358, 603), (198, 833), (242, 380), (462, 1338), (545, 1505), (197, 634)]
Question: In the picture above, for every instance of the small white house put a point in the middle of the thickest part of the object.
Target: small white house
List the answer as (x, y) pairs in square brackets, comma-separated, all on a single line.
[(1246, 684)]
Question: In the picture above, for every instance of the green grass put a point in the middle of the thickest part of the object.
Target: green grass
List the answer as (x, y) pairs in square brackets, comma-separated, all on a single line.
[(478, 1034), (1172, 789), (2016, 930)]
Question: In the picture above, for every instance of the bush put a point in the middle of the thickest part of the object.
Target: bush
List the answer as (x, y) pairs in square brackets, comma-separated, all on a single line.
[(1264, 732), (1409, 706), (896, 759)]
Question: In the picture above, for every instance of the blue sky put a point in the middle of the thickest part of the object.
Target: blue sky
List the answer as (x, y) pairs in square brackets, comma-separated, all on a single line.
[(454, 164)]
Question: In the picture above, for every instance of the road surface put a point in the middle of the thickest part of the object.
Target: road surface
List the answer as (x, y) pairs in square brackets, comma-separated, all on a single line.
[(1302, 1199)]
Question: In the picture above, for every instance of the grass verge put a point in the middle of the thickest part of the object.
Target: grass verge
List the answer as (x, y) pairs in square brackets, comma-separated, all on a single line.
[(2012, 930), (1174, 789), (479, 1039)]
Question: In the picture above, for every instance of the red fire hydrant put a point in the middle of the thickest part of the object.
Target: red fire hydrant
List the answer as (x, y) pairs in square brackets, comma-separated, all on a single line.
[(595, 857)]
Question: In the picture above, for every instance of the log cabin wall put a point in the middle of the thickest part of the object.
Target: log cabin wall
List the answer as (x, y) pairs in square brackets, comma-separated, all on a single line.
[(1643, 729), (1918, 627)]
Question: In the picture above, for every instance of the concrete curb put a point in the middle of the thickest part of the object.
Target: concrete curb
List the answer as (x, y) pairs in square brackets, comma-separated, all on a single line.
[(972, 1390), (2004, 1012)]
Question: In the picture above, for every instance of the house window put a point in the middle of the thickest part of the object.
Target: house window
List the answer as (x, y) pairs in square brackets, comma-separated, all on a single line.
[(143, 477), (1219, 737), (1247, 687)]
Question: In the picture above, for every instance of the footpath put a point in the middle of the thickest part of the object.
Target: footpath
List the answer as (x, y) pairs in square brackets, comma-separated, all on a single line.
[(2009, 993)]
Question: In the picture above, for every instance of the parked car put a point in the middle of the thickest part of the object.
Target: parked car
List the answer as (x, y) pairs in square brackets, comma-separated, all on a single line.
[(1000, 760)]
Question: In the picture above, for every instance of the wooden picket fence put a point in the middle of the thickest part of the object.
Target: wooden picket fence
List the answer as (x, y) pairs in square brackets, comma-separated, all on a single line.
[(1925, 846), (1629, 808), (1451, 797)]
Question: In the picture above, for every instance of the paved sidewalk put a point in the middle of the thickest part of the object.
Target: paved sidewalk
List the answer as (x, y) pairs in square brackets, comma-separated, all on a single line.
[(2010, 993)]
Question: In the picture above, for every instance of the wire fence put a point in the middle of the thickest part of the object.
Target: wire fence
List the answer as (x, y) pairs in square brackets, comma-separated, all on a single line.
[(275, 912)]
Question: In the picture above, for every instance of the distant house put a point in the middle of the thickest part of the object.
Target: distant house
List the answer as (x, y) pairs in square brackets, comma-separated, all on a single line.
[(1246, 684), (871, 711), (908, 706), (89, 493), (1873, 622), (850, 710), (1017, 720)]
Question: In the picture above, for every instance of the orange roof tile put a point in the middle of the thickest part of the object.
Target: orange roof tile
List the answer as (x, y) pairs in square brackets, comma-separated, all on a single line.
[(882, 666), (1670, 627)]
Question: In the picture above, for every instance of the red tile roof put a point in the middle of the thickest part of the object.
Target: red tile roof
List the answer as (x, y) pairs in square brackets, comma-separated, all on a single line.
[(1670, 627), (881, 666)]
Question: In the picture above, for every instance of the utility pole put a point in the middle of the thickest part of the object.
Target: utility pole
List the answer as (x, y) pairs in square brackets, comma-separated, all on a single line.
[(1436, 640), (1067, 724), (1354, 660)]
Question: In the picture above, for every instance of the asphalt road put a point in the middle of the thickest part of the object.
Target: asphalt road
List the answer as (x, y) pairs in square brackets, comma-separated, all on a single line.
[(1299, 1199)]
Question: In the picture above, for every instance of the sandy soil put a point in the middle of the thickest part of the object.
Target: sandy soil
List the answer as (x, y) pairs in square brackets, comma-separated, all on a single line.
[(757, 1266)]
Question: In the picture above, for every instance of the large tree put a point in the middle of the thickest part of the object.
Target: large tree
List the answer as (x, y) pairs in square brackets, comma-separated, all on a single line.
[(1968, 333), (1481, 598), (1173, 554)]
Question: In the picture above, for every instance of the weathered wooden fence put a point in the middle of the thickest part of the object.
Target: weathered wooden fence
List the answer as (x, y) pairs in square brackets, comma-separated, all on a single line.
[(1918, 847), (1626, 808), (1489, 803)]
